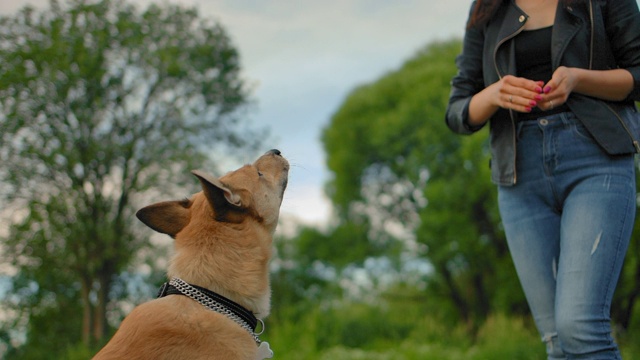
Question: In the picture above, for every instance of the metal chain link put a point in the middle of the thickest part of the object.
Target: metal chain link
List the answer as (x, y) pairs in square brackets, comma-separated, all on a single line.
[(211, 304)]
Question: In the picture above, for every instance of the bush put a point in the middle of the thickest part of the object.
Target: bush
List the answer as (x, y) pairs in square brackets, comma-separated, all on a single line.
[(361, 331)]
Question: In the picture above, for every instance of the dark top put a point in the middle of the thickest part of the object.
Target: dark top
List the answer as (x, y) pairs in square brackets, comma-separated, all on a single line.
[(533, 61)]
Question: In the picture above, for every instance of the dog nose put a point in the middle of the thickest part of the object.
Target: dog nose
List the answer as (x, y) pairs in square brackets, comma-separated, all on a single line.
[(274, 152)]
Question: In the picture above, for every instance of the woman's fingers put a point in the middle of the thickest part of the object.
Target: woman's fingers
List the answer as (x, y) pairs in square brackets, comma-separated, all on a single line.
[(520, 94)]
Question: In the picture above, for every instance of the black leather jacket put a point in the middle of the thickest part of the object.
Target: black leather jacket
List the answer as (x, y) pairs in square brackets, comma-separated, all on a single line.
[(591, 34)]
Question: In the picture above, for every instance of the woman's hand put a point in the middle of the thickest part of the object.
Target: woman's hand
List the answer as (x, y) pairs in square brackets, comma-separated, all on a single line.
[(510, 92), (557, 90), (518, 93)]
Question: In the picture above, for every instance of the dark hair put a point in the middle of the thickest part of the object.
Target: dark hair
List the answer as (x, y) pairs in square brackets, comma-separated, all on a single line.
[(484, 10)]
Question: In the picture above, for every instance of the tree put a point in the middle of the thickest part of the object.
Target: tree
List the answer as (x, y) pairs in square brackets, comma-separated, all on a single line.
[(395, 164), (394, 161), (627, 295), (101, 103)]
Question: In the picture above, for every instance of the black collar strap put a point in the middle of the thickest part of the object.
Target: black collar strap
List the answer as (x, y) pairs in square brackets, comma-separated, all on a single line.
[(235, 308)]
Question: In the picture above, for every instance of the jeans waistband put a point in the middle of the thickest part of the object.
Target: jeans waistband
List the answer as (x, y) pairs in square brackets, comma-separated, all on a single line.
[(563, 118)]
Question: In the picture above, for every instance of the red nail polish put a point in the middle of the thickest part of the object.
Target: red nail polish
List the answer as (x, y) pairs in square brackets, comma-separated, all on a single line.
[(528, 109), (538, 97), (547, 89), (539, 89), (533, 103)]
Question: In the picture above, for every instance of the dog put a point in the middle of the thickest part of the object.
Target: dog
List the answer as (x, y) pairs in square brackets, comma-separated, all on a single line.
[(219, 277)]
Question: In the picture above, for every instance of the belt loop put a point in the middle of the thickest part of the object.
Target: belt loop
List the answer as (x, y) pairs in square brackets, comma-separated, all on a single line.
[(519, 126), (567, 119)]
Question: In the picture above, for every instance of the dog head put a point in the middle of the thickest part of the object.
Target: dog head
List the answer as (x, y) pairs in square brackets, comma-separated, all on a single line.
[(223, 234), (251, 193)]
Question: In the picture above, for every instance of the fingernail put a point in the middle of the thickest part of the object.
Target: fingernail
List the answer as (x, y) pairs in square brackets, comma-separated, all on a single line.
[(547, 89), (528, 109), (539, 89), (533, 103), (538, 97)]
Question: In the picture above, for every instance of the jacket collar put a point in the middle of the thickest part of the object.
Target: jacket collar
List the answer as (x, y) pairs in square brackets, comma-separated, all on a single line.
[(566, 26), (513, 22)]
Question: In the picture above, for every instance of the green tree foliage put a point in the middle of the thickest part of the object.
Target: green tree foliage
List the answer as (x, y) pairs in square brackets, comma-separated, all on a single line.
[(626, 310), (101, 103), (394, 162)]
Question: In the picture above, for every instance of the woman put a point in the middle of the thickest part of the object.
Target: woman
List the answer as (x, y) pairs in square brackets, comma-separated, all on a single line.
[(557, 81)]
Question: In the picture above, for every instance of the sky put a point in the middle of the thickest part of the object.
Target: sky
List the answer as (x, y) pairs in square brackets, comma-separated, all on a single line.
[(304, 57)]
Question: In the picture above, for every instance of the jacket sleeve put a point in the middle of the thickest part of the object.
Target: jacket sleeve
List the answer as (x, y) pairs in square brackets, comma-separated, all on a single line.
[(622, 22), (467, 82)]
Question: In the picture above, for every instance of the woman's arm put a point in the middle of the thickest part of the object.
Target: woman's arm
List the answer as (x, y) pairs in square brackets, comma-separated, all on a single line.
[(467, 82), (612, 85), (622, 25)]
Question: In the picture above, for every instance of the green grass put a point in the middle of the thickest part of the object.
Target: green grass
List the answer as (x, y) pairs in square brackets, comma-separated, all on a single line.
[(358, 332), (368, 332)]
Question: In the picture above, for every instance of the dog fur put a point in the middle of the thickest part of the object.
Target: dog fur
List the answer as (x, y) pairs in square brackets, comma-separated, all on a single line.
[(223, 238)]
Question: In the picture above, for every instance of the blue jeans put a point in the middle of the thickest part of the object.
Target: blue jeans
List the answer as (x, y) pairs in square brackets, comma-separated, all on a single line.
[(568, 221)]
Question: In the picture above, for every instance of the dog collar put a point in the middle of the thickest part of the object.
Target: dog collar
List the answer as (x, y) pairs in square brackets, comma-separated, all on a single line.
[(215, 302)]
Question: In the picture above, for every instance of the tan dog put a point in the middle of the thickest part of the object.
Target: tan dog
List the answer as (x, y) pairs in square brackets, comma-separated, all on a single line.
[(223, 238)]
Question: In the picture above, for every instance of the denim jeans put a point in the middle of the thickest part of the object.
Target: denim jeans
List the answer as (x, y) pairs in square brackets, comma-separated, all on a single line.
[(568, 221)]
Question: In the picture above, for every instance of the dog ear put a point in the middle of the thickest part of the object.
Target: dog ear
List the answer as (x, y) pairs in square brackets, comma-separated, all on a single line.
[(219, 196), (168, 217)]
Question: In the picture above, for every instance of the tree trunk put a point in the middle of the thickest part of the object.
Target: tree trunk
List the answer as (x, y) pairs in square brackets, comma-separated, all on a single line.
[(482, 299), (457, 298), (100, 313), (86, 312)]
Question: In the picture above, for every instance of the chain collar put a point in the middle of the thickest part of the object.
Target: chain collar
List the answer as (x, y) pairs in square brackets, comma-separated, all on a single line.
[(207, 301)]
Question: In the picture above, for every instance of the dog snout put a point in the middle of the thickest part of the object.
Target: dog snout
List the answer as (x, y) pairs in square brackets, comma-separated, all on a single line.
[(273, 160)]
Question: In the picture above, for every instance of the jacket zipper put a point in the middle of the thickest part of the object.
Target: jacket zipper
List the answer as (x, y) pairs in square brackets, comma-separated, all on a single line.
[(626, 128), (513, 122), (495, 50)]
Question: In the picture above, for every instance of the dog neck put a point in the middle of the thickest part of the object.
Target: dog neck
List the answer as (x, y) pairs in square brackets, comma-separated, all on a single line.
[(212, 301), (240, 273)]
